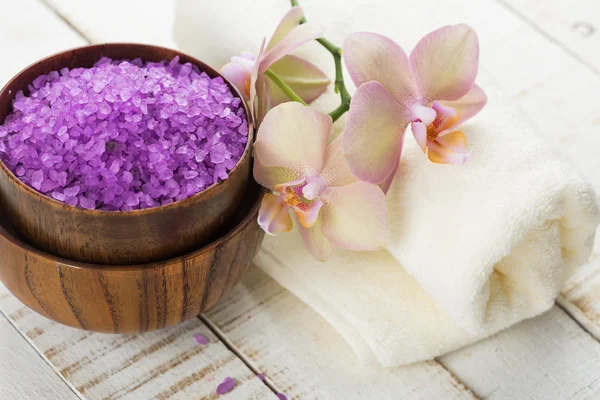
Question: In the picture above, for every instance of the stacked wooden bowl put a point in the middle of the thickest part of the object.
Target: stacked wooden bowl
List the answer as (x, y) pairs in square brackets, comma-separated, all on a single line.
[(131, 271)]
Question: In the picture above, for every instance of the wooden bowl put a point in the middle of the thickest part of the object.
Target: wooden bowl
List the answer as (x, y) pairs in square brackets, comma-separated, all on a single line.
[(136, 298), (115, 237)]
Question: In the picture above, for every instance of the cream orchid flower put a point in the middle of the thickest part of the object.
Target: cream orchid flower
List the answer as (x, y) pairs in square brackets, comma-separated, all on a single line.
[(254, 76), (433, 90), (311, 178)]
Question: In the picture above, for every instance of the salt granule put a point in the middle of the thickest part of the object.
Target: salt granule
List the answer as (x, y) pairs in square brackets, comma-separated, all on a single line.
[(124, 135), (226, 386)]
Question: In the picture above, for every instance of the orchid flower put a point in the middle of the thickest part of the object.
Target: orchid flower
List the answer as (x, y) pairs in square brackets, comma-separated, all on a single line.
[(312, 179), (250, 74), (433, 90)]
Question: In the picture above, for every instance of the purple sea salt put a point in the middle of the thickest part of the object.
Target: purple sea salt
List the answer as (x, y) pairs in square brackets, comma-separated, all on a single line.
[(124, 135)]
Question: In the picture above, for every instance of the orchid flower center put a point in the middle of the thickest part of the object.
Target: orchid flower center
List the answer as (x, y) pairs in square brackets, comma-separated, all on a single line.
[(248, 82), (432, 132), (298, 195), (445, 118), (293, 197)]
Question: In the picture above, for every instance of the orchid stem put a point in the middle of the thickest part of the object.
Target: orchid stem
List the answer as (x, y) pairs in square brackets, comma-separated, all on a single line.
[(289, 92), (340, 86)]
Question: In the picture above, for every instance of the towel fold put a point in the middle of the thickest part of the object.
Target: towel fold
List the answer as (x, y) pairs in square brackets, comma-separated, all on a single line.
[(475, 249)]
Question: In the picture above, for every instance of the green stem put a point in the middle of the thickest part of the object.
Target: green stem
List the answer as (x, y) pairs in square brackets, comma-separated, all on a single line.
[(340, 87), (283, 86)]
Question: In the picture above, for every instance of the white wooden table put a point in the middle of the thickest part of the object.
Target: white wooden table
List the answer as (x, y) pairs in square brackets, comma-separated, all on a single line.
[(546, 55)]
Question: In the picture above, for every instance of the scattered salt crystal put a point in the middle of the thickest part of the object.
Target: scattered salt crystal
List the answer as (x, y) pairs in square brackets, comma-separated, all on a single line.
[(200, 339), (226, 386), (124, 135)]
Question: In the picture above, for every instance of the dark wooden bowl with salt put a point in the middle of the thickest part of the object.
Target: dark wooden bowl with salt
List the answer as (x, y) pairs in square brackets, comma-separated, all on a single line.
[(117, 237)]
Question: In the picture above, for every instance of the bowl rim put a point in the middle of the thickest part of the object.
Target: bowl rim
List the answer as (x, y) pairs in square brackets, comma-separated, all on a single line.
[(198, 197), (134, 268)]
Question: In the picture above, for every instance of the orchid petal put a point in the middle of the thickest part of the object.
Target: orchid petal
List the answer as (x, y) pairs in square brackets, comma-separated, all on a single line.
[(289, 21), (374, 132), (273, 216), (317, 245), (419, 131), (245, 63), (293, 136), (444, 63), (355, 217), (248, 55), (272, 177), (254, 89), (295, 38), (468, 105), (449, 149), (373, 57), (336, 171), (262, 100), (303, 77), (307, 214), (238, 77), (387, 183)]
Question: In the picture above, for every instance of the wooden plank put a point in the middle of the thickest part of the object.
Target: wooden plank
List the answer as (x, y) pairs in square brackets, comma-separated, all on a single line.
[(32, 32), (167, 364), (548, 357), (580, 297), (575, 25), (25, 375), (305, 358)]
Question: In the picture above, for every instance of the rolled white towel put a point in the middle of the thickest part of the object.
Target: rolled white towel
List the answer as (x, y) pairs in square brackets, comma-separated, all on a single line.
[(475, 249)]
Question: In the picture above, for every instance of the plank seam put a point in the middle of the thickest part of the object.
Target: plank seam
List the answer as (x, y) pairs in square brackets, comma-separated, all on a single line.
[(66, 20), (532, 24), (235, 350), (467, 389), (43, 356), (577, 315)]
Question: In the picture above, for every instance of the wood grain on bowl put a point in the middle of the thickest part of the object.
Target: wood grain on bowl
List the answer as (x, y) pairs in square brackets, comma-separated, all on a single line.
[(107, 237), (134, 298)]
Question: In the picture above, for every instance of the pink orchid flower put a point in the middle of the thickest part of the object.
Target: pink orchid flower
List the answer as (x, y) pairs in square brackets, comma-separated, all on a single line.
[(433, 89), (312, 179), (247, 72)]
